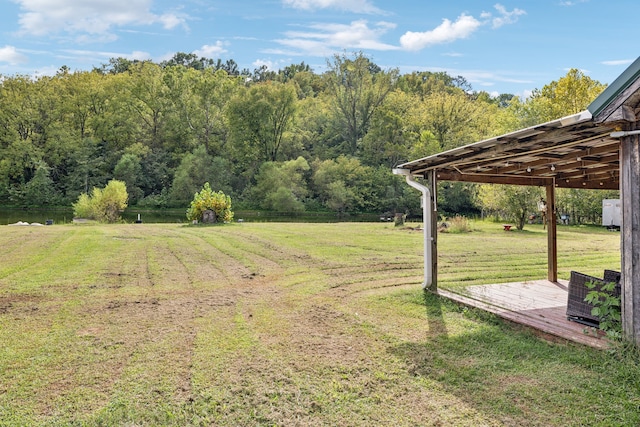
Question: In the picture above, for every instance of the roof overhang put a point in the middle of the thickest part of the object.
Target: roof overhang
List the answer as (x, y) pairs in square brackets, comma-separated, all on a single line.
[(571, 152), (578, 151)]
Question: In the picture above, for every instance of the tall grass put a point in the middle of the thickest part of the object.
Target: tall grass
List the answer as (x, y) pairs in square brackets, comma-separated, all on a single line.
[(457, 224)]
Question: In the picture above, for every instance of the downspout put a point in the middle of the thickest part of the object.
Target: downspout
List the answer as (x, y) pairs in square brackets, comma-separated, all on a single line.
[(426, 216)]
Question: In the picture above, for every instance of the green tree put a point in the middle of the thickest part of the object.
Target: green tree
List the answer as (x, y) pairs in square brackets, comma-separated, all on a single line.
[(21, 128), (425, 83), (583, 206), (344, 184), (426, 145), (201, 109), (148, 102), (194, 170), (117, 65), (314, 132), (394, 130), (570, 94), (289, 72), (358, 88), (115, 120), (129, 170), (510, 202), (457, 198), (188, 60), (39, 191), (453, 118), (84, 168), (282, 186), (195, 115), (104, 205), (260, 118), (83, 98), (207, 199)]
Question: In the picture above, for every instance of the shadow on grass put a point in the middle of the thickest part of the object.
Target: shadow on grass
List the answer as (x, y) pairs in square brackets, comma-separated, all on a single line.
[(433, 304), (513, 377)]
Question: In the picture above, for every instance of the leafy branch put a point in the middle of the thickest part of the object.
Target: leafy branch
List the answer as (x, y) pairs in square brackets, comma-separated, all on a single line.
[(606, 306)]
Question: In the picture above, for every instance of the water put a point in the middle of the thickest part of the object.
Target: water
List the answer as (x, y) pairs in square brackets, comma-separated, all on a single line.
[(58, 216), (65, 216)]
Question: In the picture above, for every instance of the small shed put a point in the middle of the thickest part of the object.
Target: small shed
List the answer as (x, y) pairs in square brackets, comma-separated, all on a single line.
[(611, 213), (598, 148)]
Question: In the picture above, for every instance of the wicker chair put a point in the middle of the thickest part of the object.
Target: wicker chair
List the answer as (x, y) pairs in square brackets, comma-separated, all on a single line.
[(578, 309), (612, 276)]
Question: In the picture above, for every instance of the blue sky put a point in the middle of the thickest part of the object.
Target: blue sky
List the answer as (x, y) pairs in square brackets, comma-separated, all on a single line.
[(499, 47)]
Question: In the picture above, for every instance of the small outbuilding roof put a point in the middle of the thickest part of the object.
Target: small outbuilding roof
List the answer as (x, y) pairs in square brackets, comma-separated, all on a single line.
[(577, 151)]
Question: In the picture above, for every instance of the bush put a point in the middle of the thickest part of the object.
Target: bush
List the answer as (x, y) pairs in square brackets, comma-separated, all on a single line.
[(606, 305), (458, 224), (207, 199), (83, 208), (104, 205)]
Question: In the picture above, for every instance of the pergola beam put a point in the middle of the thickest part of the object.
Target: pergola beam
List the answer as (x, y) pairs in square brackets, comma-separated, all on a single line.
[(493, 179), (591, 182)]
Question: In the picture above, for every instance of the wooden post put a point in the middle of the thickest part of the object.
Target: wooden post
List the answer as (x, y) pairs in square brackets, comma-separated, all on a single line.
[(432, 183), (630, 235), (552, 240)]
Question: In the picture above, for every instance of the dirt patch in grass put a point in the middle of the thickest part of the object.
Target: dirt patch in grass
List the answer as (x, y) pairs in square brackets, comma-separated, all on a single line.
[(17, 303), (253, 325)]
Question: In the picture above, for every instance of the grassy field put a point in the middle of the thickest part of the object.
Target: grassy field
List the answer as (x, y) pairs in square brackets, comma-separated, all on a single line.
[(263, 324)]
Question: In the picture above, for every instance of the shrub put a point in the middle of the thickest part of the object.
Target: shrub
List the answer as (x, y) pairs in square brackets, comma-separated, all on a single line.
[(606, 305), (83, 208), (458, 224), (104, 205), (207, 199)]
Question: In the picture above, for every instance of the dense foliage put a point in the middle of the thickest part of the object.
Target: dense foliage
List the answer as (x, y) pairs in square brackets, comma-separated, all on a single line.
[(209, 200), (103, 204), (289, 140)]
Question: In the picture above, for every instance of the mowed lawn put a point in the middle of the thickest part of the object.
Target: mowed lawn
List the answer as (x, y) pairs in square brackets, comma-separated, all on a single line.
[(279, 324)]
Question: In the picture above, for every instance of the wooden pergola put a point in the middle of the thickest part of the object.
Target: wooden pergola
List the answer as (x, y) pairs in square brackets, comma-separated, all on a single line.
[(598, 148)]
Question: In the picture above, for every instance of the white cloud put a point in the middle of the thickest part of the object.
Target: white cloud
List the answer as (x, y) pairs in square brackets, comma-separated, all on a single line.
[(446, 32), (210, 51), (357, 6), (618, 62), (271, 65), (92, 55), (582, 70), (526, 94), (92, 17), (462, 28), (136, 55), (488, 78), (260, 62), (506, 17), (10, 55), (170, 21), (324, 39), (96, 38), (572, 3)]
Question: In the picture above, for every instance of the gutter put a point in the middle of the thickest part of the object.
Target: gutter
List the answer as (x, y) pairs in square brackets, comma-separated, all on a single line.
[(426, 217), (622, 134)]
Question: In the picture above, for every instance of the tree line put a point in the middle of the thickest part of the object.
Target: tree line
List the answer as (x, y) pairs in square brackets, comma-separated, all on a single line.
[(288, 140)]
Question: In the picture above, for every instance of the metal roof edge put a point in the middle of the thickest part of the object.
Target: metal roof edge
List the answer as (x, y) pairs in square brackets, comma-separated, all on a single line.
[(572, 119), (612, 91)]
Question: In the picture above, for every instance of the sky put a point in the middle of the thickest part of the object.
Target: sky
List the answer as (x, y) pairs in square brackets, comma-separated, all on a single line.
[(498, 47)]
